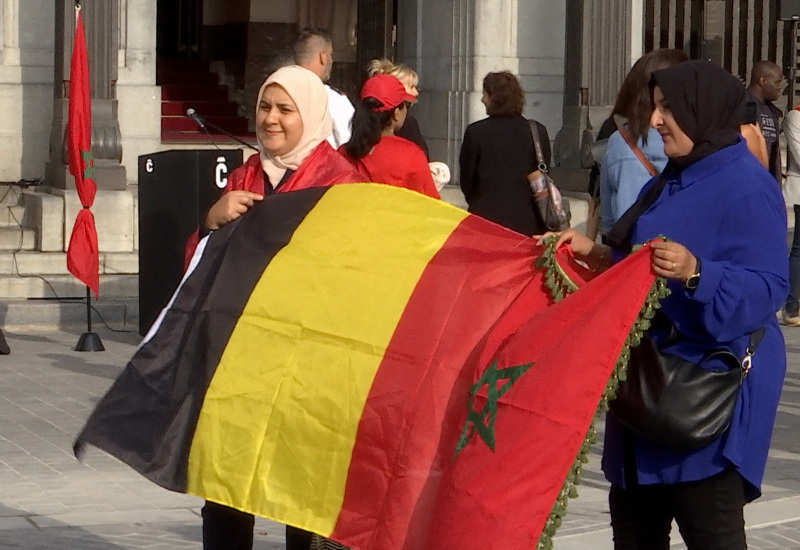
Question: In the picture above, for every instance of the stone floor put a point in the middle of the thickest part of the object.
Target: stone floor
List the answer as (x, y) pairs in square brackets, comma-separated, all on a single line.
[(48, 500)]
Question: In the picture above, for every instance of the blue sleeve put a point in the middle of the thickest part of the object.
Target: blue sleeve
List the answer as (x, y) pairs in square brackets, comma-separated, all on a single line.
[(632, 176), (608, 184), (608, 213), (739, 294), (622, 176)]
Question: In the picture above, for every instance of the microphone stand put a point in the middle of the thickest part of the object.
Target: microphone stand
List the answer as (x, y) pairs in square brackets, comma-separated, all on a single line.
[(203, 123)]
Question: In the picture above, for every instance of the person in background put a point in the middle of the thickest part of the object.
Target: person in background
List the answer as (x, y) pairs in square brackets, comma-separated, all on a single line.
[(278, 60), (374, 147), (410, 80), (292, 124), (498, 153), (313, 50), (790, 315), (727, 273), (766, 83), (622, 172)]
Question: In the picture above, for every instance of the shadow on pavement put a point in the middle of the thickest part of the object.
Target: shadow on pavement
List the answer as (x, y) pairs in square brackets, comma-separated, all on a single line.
[(57, 537), (79, 366)]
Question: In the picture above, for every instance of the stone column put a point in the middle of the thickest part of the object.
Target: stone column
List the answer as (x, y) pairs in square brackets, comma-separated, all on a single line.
[(453, 44), (101, 24), (595, 64), (436, 37)]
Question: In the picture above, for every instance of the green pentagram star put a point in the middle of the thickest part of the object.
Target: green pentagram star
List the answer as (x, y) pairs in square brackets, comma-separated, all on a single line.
[(88, 165), (482, 422)]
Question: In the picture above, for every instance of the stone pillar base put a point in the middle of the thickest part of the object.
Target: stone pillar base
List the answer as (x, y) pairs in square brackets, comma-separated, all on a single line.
[(52, 212), (108, 175)]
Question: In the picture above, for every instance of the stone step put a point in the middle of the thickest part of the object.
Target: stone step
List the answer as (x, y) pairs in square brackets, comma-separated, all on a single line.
[(12, 216), (65, 286), (119, 313), (55, 263), (9, 194), (14, 238)]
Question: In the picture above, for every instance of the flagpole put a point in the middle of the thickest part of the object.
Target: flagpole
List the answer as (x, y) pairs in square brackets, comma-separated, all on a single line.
[(89, 341)]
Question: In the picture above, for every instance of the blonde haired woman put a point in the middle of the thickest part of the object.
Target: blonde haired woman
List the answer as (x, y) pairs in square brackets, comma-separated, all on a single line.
[(409, 78)]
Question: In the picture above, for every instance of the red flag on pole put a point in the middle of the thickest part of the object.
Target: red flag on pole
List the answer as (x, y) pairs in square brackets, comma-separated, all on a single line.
[(82, 254)]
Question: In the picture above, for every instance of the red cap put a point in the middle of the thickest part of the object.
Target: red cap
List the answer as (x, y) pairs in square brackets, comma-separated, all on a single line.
[(389, 92)]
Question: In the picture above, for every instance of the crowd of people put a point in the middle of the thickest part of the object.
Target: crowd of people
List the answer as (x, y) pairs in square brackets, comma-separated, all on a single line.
[(691, 155)]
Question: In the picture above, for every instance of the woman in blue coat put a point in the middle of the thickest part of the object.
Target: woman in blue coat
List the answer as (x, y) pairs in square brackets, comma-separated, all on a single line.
[(726, 265)]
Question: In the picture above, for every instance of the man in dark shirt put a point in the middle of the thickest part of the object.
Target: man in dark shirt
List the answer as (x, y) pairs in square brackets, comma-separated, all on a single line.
[(766, 84)]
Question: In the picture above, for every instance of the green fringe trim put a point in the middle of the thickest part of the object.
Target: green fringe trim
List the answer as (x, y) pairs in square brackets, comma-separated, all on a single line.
[(556, 279), (560, 286)]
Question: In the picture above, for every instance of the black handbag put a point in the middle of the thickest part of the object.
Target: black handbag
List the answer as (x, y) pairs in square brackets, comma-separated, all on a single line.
[(675, 402)]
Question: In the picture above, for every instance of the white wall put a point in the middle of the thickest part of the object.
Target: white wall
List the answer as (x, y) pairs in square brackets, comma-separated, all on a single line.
[(26, 87), (139, 99)]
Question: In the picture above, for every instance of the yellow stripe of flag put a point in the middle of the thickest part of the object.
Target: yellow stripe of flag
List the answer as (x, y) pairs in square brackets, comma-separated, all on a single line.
[(276, 399)]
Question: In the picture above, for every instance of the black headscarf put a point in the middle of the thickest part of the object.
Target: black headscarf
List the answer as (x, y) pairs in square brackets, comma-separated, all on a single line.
[(708, 104)]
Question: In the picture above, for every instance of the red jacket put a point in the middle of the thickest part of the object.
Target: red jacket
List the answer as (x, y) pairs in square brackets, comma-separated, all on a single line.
[(323, 167), (399, 162)]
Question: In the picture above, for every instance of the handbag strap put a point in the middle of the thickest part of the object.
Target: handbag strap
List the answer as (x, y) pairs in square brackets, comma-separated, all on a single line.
[(661, 322), (755, 339), (638, 152), (537, 145)]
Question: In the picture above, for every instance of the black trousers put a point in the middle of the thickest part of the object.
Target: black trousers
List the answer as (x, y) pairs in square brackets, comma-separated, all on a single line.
[(226, 528), (709, 514)]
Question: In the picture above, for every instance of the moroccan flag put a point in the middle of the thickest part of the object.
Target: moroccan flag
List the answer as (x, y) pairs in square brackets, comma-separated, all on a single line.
[(82, 253), (377, 367)]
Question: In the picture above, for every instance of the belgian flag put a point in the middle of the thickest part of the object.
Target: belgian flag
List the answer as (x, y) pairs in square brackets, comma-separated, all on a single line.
[(377, 367)]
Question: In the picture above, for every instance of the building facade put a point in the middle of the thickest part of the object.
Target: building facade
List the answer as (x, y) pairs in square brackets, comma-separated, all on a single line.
[(570, 55)]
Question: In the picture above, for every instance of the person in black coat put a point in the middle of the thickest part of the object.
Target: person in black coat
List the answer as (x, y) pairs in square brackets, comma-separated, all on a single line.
[(497, 154)]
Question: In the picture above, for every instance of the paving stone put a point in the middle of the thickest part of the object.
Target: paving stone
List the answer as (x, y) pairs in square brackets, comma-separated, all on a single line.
[(50, 501)]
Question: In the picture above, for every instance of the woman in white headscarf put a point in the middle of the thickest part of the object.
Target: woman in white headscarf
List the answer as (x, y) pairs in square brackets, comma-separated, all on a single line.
[(292, 124)]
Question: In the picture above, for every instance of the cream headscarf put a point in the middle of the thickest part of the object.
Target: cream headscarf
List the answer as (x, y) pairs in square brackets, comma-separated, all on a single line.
[(308, 93)]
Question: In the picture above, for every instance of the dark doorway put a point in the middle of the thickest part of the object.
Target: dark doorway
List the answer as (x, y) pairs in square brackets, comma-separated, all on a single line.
[(376, 32), (179, 25)]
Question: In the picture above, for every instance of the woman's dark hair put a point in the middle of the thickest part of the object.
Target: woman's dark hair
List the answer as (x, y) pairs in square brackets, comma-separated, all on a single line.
[(633, 100), (367, 125), (506, 97)]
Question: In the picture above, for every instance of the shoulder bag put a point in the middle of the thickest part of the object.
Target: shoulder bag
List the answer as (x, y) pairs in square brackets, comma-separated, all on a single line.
[(546, 196), (676, 403)]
